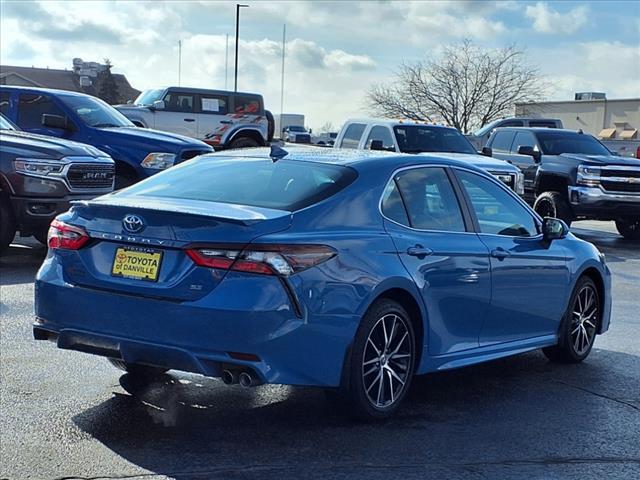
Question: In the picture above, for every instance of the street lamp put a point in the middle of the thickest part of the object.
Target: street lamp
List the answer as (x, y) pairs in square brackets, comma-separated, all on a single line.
[(238, 7)]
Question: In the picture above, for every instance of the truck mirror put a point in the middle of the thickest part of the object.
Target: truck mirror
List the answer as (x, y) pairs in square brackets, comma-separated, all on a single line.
[(529, 150), (376, 145), (158, 105), (487, 151), (56, 121)]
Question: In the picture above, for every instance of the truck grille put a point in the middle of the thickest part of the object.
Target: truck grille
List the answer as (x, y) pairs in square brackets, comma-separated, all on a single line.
[(303, 138), (620, 179), (91, 176)]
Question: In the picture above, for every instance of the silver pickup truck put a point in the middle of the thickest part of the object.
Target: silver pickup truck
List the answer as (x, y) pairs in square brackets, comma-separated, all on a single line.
[(220, 118)]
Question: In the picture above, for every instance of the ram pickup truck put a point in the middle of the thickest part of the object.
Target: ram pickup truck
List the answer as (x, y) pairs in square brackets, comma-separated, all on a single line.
[(137, 152), (219, 118), (573, 176), (40, 176), (414, 137)]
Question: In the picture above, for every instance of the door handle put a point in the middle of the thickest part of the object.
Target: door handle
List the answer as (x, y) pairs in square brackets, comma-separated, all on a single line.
[(226, 122), (419, 251), (500, 253), (189, 119)]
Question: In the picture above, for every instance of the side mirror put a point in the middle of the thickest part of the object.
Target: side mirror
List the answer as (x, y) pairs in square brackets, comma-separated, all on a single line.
[(529, 150), (158, 105), (310, 131), (554, 229), (487, 151), (376, 145), (56, 121)]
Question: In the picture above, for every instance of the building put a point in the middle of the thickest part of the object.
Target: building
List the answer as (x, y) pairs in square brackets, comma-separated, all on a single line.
[(86, 77), (592, 112)]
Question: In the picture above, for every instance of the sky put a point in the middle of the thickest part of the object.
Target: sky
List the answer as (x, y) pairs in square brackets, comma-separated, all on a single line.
[(334, 50)]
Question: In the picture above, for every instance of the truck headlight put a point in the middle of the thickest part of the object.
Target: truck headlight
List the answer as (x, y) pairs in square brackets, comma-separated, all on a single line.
[(158, 161), (519, 183), (588, 175), (41, 168)]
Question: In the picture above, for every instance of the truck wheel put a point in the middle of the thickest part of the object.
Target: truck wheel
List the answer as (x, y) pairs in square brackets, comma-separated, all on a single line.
[(41, 236), (271, 125), (244, 142), (629, 228), (123, 180), (553, 204), (7, 225)]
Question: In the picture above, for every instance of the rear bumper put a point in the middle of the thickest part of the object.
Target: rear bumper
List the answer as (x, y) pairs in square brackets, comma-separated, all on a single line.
[(594, 202), (196, 336)]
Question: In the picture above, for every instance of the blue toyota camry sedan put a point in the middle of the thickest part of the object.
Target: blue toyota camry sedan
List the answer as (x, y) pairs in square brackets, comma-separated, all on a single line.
[(352, 271)]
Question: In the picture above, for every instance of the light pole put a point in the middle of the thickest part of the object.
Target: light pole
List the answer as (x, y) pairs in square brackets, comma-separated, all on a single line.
[(238, 7)]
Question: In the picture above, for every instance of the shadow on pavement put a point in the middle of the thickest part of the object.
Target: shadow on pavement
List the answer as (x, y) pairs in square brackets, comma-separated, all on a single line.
[(509, 415)]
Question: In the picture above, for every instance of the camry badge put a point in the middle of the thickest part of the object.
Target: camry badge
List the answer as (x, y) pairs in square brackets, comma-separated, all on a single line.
[(132, 223)]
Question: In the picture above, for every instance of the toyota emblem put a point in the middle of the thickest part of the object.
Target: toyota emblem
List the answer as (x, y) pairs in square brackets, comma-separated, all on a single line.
[(132, 223)]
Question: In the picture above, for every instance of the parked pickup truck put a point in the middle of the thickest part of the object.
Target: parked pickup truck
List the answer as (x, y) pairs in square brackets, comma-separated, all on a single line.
[(220, 118), (296, 134), (412, 137), (137, 152), (480, 138), (40, 176), (573, 176)]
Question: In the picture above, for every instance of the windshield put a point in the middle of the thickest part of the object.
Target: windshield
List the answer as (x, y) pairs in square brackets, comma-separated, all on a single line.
[(95, 113), (149, 96), (296, 128), (424, 138), (5, 124), (283, 185), (557, 143)]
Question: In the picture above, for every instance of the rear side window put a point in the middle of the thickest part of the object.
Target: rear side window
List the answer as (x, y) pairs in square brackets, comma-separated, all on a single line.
[(430, 200), (352, 135), (216, 104), (502, 141), (31, 108), (4, 103), (542, 123), (283, 185), (392, 206), (247, 104), (178, 102)]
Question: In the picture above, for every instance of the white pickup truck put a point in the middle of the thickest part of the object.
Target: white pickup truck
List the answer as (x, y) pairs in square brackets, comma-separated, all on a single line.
[(220, 118)]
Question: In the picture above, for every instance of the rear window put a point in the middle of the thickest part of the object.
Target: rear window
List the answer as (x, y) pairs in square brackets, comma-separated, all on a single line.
[(283, 185)]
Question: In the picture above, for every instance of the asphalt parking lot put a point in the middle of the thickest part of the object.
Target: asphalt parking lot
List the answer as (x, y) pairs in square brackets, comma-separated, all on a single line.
[(67, 415)]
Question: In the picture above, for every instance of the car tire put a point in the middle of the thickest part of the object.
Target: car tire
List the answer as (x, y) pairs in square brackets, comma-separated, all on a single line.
[(137, 369), (41, 236), (271, 125), (579, 325), (7, 225), (553, 204), (244, 142), (123, 180), (381, 362), (629, 228)]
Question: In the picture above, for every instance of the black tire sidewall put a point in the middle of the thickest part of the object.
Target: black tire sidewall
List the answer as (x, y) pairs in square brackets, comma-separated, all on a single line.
[(626, 228), (7, 225), (560, 205), (360, 405), (243, 142)]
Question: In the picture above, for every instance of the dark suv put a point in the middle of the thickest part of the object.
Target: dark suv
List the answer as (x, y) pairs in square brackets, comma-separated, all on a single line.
[(40, 176), (572, 176)]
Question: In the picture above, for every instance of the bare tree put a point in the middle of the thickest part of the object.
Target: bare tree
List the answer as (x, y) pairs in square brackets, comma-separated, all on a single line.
[(466, 87)]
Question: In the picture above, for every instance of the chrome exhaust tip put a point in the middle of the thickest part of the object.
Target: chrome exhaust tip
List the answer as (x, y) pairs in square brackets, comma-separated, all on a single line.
[(246, 379), (229, 377)]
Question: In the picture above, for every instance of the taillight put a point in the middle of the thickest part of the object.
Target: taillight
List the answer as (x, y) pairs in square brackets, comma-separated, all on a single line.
[(264, 259), (638, 152), (65, 236)]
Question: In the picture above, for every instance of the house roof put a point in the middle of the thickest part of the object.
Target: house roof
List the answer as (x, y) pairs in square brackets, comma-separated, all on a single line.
[(63, 80)]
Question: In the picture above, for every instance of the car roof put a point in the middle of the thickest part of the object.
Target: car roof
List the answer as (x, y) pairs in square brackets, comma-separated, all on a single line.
[(358, 159), (44, 90), (203, 90), (538, 129), (394, 122)]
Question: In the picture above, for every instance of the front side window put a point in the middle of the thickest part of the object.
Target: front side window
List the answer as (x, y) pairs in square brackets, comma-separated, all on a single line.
[(216, 104), (147, 97), (247, 104), (524, 139), (31, 107), (178, 102), (352, 135), (430, 200), (502, 141), (382, 133), (423, 138), (5, 124), (497, 211), (4, 102)]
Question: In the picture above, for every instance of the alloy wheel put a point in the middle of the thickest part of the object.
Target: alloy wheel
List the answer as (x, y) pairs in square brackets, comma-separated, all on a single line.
[(387, 360), (584, 319)]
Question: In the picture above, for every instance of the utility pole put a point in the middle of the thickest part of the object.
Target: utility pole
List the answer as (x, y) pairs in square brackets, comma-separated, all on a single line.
[(226, 63), (179, 61), (238, 7), (284, 46)]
